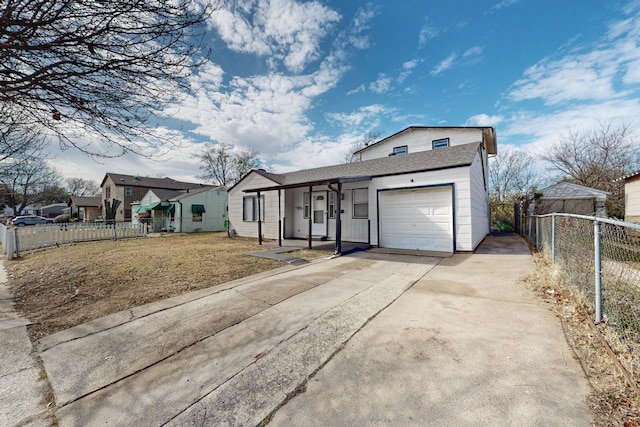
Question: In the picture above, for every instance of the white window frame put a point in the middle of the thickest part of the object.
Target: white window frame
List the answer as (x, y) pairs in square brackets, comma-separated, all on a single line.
[(440, 143), (331, 204), (306, 205), (357, 199), (253, 200), (402, 149)]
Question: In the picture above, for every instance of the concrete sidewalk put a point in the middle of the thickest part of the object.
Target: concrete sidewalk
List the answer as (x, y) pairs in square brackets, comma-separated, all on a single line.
[(369, 338), (23, 389)]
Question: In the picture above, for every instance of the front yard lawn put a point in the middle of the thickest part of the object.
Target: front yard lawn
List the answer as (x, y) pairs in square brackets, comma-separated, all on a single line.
[(63, 287)]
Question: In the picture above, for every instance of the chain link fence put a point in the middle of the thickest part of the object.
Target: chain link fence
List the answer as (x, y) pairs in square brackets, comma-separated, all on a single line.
[(601, 260)]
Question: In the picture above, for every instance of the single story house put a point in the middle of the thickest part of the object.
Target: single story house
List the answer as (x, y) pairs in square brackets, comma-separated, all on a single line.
[(53, 210), (187, 211), (125, 189), (567, 197), (423, 188), (632, 197), (85, 208)]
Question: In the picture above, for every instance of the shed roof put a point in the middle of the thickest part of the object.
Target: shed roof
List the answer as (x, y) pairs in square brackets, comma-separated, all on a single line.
[(442, 158), (568, 190)]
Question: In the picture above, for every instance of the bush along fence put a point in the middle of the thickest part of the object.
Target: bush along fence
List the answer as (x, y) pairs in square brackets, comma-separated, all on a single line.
[(16, 240), (601, 260)]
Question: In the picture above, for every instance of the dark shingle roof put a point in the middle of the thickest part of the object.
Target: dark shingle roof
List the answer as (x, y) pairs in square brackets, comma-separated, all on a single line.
[(144, 181), (441, 158), (83, 201)]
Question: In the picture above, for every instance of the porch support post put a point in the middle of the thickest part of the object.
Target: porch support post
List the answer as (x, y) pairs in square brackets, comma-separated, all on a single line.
[(259, 221), (339, 220), (279, 219), (310, 213)]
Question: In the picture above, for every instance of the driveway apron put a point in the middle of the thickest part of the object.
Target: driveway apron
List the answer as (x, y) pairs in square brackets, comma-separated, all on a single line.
[(368, 338), (229, 357)]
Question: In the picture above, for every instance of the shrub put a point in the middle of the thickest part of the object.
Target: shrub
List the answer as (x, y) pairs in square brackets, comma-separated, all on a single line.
[(60, 219)]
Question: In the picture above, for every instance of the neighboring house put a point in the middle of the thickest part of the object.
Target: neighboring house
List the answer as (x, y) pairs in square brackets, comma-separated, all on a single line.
[(127, 189), (53, 210), (85, 208), (566, 197), (200, 209), (424, 188), (28, 210), (632, 197)]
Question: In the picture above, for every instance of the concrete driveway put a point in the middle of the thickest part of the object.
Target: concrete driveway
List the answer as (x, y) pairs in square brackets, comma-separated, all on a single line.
[(368, 338)]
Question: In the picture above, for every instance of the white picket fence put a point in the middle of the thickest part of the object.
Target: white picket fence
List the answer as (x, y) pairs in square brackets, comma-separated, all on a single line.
[(16, 240)]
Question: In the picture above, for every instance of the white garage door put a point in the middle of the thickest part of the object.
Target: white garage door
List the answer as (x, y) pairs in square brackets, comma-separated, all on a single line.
[(417, 219)]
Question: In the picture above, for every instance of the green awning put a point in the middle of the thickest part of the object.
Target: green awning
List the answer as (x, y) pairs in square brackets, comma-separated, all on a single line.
[(197, 209), (171, 208)]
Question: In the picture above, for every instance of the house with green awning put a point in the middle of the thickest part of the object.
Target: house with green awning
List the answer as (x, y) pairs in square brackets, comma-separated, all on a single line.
[(184, 211)]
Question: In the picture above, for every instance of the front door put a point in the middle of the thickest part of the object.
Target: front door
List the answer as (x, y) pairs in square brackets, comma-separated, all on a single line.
[(319, 213)]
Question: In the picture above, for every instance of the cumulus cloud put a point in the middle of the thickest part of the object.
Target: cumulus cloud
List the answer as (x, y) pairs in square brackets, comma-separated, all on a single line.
[(285, 29), (483, 120)]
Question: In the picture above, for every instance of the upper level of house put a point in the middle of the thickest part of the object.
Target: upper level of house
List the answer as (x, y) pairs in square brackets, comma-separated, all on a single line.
[(419, 138)]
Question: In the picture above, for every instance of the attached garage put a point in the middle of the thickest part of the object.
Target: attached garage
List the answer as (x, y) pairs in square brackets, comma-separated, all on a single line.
[(417, 219)]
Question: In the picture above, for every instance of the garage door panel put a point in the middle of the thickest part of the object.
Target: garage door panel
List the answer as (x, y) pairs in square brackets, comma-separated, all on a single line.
[(417, 219)]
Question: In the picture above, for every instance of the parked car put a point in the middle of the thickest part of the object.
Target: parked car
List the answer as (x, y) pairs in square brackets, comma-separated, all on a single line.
[(21, 221)]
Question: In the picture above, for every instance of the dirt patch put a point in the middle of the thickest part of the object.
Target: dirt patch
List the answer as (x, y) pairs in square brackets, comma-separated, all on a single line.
[(612, 399), (63, 287)]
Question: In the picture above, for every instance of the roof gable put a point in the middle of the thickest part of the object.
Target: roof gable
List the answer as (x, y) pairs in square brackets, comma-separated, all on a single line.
[(488, 134)]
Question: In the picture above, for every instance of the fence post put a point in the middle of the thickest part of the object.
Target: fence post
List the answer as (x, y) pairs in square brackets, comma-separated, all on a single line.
[(537, 233), (598, 270), (553, 239)]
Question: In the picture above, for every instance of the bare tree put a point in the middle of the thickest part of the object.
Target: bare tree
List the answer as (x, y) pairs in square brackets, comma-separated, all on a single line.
[(224, 166), (94, 68), (245, 161), (597, 158), (16, 139), (26, 181), (82, 187), (368, 138), (512, 175)]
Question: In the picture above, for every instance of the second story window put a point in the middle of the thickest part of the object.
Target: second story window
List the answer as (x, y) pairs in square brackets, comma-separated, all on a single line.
[(128, 191), (400, 150), (107, 193), (440, 143)]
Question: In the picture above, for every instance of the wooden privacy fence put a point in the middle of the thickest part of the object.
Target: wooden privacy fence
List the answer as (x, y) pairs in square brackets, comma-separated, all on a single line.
[(23, 239)]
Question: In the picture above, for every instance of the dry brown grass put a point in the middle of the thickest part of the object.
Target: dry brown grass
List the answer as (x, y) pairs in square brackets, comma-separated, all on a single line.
[(63, 287), (612, 400)]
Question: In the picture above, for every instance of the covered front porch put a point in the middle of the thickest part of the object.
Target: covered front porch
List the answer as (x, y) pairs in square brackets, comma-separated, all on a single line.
[(310, 214)]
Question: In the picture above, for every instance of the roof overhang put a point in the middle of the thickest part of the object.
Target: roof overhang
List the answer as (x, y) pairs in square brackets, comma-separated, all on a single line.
[(309, 184)]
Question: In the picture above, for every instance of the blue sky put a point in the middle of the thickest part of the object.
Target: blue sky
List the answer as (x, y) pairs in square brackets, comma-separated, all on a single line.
[(299, 81)]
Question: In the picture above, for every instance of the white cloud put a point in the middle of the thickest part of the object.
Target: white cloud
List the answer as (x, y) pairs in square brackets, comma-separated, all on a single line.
[(505, 3), (368, 116), (444, 65), (407, 69), (288, 30), (381, 85), (427, 32), (474, 51), (588, 75), (483, 120)]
